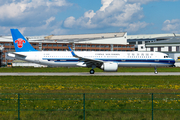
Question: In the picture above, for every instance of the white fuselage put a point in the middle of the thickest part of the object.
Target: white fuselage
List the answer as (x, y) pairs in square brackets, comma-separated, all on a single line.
[(124, 59)]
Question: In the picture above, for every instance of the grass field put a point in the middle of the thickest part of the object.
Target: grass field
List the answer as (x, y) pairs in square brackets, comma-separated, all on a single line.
[(79, 69), (91, 84), (53, 97)]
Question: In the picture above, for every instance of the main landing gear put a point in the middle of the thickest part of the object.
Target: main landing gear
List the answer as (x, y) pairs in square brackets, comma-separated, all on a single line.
[(155, 70), (91, 71)]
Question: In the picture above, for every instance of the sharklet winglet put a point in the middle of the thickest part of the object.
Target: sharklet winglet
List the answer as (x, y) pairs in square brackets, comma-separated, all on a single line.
[(72, 52)]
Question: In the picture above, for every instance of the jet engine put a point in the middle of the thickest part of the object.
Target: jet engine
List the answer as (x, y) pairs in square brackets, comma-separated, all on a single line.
[(109, 67)]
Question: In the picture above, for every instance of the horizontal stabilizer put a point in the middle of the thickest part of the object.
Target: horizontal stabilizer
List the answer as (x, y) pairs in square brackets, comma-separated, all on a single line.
[(19, 54)]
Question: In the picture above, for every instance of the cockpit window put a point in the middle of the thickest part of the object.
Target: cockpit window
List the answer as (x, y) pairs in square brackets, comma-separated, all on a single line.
[(166, 56)]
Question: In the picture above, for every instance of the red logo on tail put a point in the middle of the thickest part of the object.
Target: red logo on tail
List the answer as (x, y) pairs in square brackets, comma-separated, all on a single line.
[(20, 42)]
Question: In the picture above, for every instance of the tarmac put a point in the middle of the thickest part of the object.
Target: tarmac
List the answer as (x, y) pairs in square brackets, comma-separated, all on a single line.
[(87, 74)]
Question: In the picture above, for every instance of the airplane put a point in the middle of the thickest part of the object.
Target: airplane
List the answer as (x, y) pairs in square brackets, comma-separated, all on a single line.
[(108, 61)]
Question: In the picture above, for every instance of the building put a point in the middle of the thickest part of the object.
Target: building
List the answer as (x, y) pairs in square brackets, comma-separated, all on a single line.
[(166, 43), (170, 47), (140, 40)]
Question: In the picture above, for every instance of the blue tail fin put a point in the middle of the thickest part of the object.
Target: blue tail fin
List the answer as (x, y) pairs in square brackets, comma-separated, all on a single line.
[(20, 43)]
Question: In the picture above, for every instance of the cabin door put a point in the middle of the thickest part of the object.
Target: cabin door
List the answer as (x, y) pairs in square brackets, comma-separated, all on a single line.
[(36, 58)]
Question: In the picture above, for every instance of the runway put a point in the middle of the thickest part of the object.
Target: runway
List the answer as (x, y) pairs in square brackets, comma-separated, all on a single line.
[(87, 74)]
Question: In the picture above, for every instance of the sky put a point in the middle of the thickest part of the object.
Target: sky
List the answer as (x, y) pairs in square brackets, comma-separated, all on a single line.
[(67, 17)]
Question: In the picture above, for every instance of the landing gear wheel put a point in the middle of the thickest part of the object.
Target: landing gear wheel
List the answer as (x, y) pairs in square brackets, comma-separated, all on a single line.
[(155, 72), (91, 71)]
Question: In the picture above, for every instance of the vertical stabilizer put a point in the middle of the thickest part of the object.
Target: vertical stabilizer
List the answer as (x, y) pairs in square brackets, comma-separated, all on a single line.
[(20, 43)]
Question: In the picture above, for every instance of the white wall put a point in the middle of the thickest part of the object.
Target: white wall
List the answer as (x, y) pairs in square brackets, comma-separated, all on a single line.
[(141, 47), (27, 65), (163, 49), (118, 40)]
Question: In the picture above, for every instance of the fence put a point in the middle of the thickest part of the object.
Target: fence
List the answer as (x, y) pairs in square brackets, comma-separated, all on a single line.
[(90, 105)]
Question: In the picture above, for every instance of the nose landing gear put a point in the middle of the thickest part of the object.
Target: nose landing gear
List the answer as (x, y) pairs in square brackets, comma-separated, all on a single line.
[(155, 70)]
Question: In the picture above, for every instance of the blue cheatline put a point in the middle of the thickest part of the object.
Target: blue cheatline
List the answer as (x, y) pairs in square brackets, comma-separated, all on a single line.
[(114, 60), (20, 43)]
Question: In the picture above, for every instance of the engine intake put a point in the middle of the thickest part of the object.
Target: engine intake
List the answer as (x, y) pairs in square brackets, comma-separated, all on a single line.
[(109, 67)]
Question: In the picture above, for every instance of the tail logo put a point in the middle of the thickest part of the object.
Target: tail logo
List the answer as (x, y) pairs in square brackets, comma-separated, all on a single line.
[(20, 42)]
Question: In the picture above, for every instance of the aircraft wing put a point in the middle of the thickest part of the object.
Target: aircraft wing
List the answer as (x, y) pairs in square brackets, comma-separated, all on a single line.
[(89, 62)]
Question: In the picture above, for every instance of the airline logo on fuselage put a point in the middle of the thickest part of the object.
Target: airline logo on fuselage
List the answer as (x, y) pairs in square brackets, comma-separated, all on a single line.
[(20, 42)]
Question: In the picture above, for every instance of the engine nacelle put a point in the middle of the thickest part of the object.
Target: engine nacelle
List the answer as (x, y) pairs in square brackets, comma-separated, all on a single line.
[(109, 67)]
